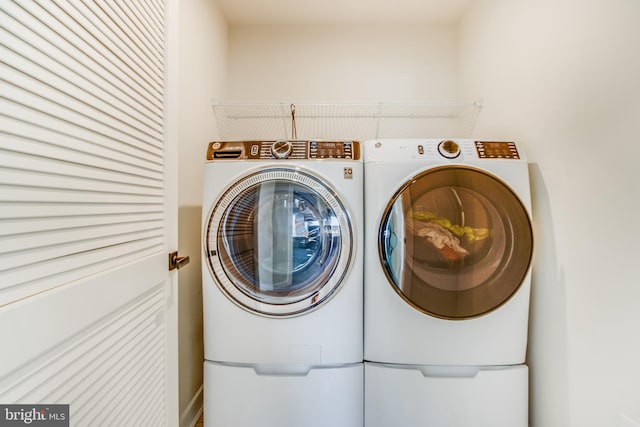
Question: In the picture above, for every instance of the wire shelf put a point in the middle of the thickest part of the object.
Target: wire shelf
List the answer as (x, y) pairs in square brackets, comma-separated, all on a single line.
[(357, 121)]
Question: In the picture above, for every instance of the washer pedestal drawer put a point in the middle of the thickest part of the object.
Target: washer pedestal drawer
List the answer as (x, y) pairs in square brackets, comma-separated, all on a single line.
[(283, 395)]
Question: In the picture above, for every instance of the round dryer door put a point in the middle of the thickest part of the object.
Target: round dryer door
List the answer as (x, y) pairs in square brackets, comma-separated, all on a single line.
[(279, 242), (455, 242)]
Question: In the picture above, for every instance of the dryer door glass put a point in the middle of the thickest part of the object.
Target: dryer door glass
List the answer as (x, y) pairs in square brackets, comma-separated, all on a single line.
[(279, 242), (455, 242)]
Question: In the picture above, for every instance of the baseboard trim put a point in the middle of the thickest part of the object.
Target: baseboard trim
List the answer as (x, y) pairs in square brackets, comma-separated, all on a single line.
[(192, 412)]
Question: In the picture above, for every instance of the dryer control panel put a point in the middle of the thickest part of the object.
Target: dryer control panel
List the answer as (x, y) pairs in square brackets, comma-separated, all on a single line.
[(283, 149), (497, 150)]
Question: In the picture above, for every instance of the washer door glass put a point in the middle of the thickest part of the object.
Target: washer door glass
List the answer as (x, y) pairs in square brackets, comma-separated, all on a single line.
[(279, 242), (455, 242)]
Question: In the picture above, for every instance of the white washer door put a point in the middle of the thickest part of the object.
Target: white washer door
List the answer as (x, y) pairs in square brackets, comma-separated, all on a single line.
[(279, 242), (455, 242)]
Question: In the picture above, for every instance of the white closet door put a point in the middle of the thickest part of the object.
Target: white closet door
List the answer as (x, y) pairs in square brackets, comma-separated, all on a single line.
[(87, 209)]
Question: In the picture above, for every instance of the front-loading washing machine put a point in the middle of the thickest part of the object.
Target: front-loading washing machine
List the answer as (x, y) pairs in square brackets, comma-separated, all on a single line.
[(447, 279), (282, 283)]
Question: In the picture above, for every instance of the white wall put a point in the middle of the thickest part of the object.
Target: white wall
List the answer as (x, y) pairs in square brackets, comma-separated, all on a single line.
[(342, 63), (203, 56), (562, 76)]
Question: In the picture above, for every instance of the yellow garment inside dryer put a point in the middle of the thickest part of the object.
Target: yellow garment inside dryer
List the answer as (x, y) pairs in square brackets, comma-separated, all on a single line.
[(471, 234)]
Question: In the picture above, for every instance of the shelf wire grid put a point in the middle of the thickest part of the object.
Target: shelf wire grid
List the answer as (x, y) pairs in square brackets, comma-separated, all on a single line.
[(355, 121)]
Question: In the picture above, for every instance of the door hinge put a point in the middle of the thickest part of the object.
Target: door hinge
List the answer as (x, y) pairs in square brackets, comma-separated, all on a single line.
[(177, 262)]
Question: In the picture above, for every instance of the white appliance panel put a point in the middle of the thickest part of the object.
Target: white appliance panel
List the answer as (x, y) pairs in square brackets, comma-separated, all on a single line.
[(240, 396), (436, 396)]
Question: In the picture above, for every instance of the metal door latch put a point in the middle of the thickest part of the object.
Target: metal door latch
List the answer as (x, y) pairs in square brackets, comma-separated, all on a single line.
[(177, 262)]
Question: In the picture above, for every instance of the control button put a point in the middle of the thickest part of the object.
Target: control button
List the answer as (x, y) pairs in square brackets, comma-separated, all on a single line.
[(281, 149), (449, 149)]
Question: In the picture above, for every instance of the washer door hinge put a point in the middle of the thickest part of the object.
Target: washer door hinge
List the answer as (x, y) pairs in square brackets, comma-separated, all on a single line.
[(177, 262)]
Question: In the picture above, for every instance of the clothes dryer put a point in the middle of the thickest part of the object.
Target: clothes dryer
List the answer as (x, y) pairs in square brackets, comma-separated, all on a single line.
[(447, 279), (282, 280), (448, 252)]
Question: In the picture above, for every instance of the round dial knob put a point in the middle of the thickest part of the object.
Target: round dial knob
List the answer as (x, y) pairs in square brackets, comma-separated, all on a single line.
[(281, 149), (449, 149)]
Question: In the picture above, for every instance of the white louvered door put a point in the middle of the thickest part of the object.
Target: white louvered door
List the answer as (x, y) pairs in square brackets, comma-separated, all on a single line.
[(88, 209)]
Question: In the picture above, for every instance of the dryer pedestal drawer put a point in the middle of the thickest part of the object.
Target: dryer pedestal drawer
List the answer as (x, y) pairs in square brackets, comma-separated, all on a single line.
[(430, 396)]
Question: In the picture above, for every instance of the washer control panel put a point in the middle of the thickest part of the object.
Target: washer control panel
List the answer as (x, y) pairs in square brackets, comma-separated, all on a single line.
[(283, 149)]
